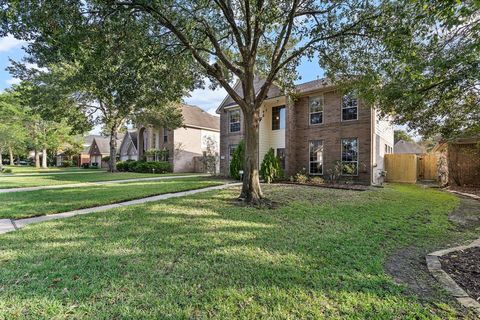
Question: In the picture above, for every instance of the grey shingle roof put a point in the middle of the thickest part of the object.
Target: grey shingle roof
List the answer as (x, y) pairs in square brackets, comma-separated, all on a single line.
[(197, 117)]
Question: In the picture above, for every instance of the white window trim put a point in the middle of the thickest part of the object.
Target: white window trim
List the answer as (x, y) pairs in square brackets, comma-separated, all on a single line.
[(341, 156), (271, 120), (310, 113), (341, 109), (310, 162), (230, 123)]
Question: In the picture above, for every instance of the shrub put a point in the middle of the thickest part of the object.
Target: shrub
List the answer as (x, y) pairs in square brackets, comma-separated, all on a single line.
[(301, 176), (145, 166), (121, 166), (317, 180), (94, 165), (271, 170), (85, 165), (106, 159), (67, 163), (238, 161)]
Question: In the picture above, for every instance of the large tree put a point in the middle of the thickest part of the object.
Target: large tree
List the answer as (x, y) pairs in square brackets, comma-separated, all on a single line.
[(422, 67), (243, 39), (112, 66)]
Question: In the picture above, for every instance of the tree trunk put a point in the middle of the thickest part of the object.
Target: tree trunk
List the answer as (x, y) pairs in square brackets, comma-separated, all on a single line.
[(10, 153), (37, 159), (1, 160), (44, 158), (251, 190), (112, 163)]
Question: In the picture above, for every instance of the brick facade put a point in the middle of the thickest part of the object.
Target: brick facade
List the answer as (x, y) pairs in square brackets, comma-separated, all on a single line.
[(299, 132)]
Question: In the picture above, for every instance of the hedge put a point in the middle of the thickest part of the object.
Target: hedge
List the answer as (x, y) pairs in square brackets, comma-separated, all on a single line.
[(145, 166)]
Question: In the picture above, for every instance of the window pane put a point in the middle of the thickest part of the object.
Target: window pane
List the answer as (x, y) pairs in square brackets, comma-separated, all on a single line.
[(316, 104), (349, 150), (316, 118), (234, 119), (349, 101), (278, 118), (316, 157), (349, 114)]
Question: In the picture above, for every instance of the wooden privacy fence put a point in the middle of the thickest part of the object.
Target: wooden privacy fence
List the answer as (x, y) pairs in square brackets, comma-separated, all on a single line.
[(408, 167)]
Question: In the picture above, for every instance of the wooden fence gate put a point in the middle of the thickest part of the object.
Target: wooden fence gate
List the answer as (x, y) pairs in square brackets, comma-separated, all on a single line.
[(408, 167)]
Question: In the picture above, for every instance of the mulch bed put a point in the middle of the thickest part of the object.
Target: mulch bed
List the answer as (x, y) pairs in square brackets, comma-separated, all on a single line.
[(355, 187), (470, 190), (464, 268)]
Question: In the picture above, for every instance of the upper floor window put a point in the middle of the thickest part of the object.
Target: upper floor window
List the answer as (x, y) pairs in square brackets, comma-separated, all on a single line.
[(316, 157), (278, 118), (349, 107), (154, 140), (316, 109), (165, 135), (234, 120), (350, 156)]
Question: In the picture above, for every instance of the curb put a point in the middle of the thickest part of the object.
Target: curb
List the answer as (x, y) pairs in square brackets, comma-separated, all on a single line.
[(468, 195), (435, 267)]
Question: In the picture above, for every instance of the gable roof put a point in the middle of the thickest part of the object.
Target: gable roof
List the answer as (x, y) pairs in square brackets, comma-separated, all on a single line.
[(275, 91), (131, 136), (103, 143), (194, 116), (408, 147)]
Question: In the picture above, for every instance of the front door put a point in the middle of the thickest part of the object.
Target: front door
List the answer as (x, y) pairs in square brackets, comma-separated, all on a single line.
[(281, 157)]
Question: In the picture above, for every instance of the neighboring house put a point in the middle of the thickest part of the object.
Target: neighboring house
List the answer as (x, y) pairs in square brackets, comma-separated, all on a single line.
[(318, 130), (408, 147), (101, 148), (129, 146), (83, 156), (184, 144)]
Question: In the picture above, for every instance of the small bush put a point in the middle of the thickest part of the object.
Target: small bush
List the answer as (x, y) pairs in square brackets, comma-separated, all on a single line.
[(94, 165), (106, 159), (317, 180), (121, 166), (271, 170), (85, 165), (237, 162), (301, 177), (67, 163)]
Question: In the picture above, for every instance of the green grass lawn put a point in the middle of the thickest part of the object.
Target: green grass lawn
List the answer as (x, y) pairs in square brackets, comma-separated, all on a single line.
[(30, 169), (7, 182), (319, 253), (36, 203)]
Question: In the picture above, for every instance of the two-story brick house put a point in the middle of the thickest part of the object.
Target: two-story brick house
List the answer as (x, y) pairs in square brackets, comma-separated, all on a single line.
[(317, 129)]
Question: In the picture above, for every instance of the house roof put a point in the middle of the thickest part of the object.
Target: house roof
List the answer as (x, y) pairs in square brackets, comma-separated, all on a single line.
[(103, 143), (194, 116), (88, 142), (408, 147), (134, 136), (275, 91)]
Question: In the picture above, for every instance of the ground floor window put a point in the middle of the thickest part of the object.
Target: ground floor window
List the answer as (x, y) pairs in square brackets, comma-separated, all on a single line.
[(350, 156), (316, 157)]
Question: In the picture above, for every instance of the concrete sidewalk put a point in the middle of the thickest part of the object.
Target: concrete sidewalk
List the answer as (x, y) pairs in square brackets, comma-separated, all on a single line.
[(8, 225), (9, 175), (97, 183)]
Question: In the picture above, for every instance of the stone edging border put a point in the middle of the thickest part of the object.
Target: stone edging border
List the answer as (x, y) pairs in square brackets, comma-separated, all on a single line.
[(435, 268), (469, 195)]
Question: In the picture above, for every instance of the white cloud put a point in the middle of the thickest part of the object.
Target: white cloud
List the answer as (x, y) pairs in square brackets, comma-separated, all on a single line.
[(9, 42), (13, 81), (207, 99)]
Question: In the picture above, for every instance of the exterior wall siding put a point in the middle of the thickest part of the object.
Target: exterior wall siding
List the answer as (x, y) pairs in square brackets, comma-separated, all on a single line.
[(228, 138)]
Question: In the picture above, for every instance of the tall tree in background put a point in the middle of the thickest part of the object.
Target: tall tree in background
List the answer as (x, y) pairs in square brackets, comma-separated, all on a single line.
[(401, 135), (112, 66), (243, 39), (422, 67), (12, 125)]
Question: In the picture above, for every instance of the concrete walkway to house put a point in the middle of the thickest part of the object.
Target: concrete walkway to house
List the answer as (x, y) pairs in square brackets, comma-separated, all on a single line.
[(97, 183), (8, 225)]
